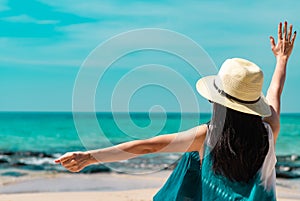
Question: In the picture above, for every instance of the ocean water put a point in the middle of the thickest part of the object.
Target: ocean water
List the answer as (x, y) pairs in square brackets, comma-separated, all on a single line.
[(32, 140)]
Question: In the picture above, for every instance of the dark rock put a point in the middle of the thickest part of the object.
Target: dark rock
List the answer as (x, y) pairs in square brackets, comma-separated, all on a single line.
[(13, 174), (3, 160)]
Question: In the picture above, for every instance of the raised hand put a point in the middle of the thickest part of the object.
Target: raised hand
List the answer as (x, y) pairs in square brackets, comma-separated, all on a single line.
[(282, 50), (285, 41)]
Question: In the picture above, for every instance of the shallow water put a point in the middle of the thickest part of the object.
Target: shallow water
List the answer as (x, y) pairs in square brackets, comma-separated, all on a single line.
[(32, 140)]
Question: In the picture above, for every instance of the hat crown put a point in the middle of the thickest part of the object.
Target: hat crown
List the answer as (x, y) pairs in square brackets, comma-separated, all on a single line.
[(241, 79)]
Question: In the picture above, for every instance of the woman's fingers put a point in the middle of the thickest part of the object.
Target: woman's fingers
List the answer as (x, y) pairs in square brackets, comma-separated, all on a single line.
[(66, 157), (74, 169), (63, 158), (75, 166), (272, 41), (285, 43), (290, 32), (72, 161), (280, 31), (285, 31), (69, 163), (69, 160), (294, 37)]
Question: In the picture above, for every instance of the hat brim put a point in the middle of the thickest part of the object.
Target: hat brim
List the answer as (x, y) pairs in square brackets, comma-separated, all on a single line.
[(205, 86)]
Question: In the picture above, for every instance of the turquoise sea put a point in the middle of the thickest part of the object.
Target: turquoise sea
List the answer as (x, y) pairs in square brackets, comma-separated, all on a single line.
[(32, 140)]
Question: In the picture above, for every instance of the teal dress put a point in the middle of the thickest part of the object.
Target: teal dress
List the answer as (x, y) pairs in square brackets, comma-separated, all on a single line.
[(191, 181)]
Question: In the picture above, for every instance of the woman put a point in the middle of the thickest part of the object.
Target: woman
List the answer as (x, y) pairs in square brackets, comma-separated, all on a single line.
[(238, 143)]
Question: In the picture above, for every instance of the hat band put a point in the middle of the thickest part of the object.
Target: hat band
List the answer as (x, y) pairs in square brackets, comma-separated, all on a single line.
[(223, 93)]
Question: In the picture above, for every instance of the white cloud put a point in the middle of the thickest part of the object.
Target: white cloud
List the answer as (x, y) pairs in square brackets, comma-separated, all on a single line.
[(211, 24), (94, 8), (41, 62), (204, 21), (38, 52), (27, 19), (3, 5)]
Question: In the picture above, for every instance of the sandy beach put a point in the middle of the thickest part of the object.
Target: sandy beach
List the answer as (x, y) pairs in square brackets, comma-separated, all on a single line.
[(131, 195), (102, 186)]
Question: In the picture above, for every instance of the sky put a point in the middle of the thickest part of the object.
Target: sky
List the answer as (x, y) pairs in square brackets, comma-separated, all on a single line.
[(45, 44)]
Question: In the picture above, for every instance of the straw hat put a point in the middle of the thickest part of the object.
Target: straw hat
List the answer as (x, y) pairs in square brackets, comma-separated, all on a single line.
[(238, 86)]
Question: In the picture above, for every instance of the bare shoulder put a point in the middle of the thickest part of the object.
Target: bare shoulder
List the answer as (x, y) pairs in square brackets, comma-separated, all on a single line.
[(201, 130), (200, 137)]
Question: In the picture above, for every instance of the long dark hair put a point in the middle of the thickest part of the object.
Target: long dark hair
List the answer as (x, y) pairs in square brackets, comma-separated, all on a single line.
[(240, 143)]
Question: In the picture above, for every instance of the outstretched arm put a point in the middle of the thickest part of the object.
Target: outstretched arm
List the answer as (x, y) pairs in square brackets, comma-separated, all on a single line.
[(186, 141), (282, 51)]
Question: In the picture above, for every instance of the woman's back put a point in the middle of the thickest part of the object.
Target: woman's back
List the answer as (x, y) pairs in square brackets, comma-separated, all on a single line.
[(260, 183), (196, 180), (238, 143)]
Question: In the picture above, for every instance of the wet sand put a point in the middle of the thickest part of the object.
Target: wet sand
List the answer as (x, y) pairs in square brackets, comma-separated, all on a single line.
[(102, 186)]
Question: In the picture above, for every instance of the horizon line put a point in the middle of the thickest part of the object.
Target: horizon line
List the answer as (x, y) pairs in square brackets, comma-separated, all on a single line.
[(119, 112)]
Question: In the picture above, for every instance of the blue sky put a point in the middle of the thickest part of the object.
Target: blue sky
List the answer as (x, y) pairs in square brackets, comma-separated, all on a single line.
[(44, 42)]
